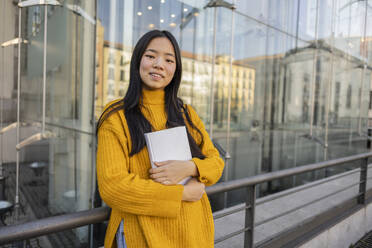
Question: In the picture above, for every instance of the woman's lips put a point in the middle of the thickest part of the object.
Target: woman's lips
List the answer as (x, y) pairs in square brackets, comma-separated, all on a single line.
[(156, 76)]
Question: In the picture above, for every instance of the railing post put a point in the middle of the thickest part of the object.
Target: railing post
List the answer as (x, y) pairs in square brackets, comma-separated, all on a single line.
[(363, 181), (250, 203)]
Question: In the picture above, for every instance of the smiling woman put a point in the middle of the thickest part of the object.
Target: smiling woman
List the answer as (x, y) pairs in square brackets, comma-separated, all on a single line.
[(158, 64), (149, 207)]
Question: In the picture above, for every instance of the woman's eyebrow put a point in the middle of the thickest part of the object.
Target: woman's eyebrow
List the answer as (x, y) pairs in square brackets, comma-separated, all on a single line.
[(154, 51)]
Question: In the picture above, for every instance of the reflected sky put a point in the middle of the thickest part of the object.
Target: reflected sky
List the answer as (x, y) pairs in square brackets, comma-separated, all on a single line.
[(259, 24)]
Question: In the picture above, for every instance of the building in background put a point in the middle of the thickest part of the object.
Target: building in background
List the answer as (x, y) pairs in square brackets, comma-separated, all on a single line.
[(278, 84)]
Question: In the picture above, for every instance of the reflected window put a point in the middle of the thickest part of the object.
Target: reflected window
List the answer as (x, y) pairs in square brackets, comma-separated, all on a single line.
[(337, 99), (121, 92), (122, 75), (111, 59), (36, 21), (348, 97), (305, 99), (111, 74), (110, 90)]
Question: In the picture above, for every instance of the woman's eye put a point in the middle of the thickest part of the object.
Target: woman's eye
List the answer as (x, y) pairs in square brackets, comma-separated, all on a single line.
[(170, 61), (149, 56)]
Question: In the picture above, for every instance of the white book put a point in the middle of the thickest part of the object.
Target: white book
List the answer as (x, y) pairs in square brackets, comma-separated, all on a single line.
[(168, 144)]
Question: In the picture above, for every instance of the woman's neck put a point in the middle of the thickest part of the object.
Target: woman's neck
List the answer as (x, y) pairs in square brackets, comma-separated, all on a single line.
[(153, 97)]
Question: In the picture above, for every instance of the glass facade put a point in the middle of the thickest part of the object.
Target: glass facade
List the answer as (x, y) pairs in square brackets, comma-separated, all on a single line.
[(278, 84)]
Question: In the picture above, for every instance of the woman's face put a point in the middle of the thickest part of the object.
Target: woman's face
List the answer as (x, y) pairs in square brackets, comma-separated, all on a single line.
[(158, 64)]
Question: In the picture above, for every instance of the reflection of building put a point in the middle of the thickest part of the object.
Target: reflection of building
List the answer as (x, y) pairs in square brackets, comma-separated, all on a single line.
[(337, 82), (242, 91), (274, 74), (112, 68), (195, 87)]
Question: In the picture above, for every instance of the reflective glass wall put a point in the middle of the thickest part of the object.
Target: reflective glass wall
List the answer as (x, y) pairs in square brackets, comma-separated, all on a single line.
[(278, 84), (56, 149)]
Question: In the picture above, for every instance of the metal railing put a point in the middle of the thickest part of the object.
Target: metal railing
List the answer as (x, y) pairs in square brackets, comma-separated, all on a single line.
[(64, 222)]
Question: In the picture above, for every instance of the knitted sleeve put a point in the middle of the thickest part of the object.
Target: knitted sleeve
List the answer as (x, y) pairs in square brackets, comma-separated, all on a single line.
[(211, 168), (126, 191)]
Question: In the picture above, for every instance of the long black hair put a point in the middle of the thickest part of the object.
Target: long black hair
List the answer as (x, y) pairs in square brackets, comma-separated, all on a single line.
[(131, 103)]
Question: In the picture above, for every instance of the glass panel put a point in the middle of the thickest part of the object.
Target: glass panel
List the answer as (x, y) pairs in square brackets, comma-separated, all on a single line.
[(70, 171), (56, 175), (122, 23), (222, 76), (368, 39), (267, 105), (349, 26), (281, 14), (197, 49), (69, 64)]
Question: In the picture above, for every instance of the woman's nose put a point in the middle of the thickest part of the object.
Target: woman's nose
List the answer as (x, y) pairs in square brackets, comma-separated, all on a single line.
[(158, 63)]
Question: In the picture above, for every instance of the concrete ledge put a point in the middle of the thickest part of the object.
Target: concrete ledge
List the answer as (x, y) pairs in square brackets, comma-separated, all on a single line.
[(344, 233)]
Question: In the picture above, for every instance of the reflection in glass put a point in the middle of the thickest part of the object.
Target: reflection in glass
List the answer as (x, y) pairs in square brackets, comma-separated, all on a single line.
[(294, 88)]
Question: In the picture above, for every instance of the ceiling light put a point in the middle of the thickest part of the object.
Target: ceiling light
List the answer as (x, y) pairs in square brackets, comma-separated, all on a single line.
[(172, 24), (162, 1), (139, 13), (185, 10), (149, 7), (173, 15), (196, 13), (161, 20), (151, 25)]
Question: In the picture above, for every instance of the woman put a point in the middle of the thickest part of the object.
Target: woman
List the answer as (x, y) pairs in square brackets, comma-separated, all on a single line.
[(149, 208)]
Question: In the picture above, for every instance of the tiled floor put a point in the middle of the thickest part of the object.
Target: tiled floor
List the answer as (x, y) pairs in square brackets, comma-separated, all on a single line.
[(34, 205)]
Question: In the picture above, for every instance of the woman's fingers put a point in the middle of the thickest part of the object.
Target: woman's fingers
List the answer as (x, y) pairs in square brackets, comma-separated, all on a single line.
[(160, 180), (156, 170), (163, 163), (164, 181), (157, 175), (173, 170)]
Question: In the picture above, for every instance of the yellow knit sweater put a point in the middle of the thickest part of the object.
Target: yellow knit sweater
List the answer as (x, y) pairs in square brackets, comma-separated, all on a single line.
[(154, 215)]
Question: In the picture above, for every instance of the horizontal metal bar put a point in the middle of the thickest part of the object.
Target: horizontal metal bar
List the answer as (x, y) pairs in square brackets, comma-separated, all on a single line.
[(22, 124), (217, 216), (82, 218), (30, 3), (9, 127), (53, 224), (14, 41), (231, 235), (303, 187), (35, 138), (306, 204), (69, 128), (239, 183)]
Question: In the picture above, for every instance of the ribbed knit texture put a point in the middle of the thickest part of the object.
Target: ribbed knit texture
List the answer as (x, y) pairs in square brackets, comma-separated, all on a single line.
[(154, 214)]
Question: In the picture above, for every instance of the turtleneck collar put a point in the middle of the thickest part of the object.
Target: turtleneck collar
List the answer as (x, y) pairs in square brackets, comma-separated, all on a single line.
[(153, 97)]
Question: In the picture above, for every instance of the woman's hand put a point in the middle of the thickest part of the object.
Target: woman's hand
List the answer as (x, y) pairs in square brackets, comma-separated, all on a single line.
[(172, 172), (193, 190)]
